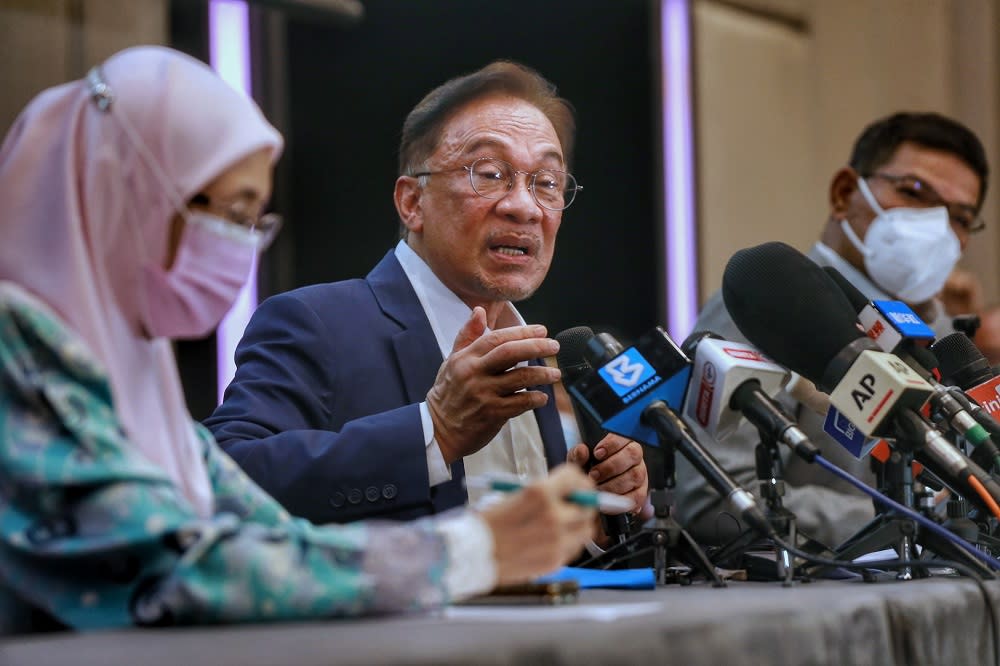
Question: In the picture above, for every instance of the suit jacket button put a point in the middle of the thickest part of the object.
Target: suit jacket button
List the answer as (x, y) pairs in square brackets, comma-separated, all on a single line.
[(337, 500), (388, 491), (371, 494), (354, 497)]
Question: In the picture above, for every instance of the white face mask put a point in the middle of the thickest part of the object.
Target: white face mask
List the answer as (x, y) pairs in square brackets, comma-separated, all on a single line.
[(908, 252)]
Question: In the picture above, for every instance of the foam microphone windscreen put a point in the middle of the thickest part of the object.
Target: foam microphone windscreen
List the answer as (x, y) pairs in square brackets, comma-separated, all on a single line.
[(857, 300), (788, 307), (573, 364), (960, 362), (570, 357)]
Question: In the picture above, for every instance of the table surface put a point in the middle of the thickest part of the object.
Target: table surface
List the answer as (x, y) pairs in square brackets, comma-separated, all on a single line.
[(932, 621)]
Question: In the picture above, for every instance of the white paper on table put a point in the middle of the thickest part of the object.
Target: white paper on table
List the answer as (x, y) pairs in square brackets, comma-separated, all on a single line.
[(887, 554), (542, 613)]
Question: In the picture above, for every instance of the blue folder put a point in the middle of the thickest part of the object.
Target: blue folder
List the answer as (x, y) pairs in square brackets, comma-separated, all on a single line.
[(621, 579)]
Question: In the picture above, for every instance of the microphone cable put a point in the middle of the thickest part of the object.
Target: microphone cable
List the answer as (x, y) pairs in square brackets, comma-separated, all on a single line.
[(984, 494)]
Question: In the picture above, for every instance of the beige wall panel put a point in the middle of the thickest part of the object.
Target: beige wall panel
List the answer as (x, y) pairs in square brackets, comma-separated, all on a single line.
[(975, 94), (46, 42), (874, 57), (787, 9), (112, 25), (755, 138), (34, 50)]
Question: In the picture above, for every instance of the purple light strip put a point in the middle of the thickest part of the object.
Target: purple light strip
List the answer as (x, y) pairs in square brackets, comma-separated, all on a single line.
[(681, 253), (229, 55)]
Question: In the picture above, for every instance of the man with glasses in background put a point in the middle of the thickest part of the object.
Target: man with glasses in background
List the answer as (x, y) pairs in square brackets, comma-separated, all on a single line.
[(378, 397), (901, 213)]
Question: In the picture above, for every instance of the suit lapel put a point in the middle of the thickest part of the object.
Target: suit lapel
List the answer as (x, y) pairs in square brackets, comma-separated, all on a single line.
[(417, 354), (418, 357)]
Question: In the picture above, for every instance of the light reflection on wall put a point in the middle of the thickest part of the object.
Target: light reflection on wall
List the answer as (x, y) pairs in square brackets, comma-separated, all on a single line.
[(681, 253), (229, 55)]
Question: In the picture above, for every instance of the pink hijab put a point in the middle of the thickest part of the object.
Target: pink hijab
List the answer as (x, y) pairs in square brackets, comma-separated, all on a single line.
[(83, 210)]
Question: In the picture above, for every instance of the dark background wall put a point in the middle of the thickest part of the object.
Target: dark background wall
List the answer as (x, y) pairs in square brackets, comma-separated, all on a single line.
[(350, 89), (340, 93)]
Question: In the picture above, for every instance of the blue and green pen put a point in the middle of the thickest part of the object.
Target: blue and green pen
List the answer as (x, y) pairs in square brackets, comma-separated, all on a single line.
[(602, 501)]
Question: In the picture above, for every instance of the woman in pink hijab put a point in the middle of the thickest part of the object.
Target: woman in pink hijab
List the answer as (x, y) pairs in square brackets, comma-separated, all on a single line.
[(132, 214)]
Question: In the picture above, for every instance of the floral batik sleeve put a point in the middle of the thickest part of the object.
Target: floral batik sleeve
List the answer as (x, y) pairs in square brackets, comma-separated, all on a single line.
[(95, 535)]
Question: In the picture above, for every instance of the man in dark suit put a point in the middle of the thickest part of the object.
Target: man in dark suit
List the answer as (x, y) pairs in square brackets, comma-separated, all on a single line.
[(377, 397)]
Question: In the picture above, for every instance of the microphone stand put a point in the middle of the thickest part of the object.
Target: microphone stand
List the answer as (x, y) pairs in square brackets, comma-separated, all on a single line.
[(772, 489), (671, 545), (978, 528), (889, 529), (961, 523)]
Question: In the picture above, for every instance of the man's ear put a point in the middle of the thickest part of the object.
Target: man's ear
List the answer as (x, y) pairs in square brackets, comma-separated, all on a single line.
[(842, 187), (407, 198)]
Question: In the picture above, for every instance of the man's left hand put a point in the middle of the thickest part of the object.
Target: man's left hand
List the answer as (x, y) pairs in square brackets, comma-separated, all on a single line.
[(618, 468)]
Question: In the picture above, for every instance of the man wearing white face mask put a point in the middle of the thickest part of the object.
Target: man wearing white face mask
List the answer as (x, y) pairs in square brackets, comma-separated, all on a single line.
[(908, 252), (901, 213)]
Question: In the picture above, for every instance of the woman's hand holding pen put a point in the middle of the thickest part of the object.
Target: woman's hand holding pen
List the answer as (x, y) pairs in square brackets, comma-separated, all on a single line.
[(536, 530)]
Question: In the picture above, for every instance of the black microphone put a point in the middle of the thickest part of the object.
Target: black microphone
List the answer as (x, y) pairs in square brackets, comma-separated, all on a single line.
[(974, 383), (876, 391), (961, 363), (633, 391), (573, 365)]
